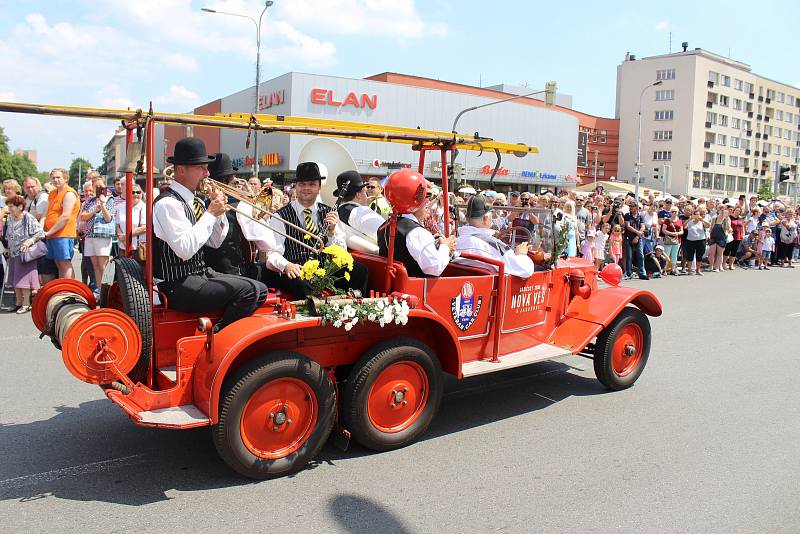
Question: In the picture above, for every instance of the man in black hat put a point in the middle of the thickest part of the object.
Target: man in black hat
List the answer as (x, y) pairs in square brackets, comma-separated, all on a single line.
[(478, 238), (353, 209), (284, 263), (183, 224)]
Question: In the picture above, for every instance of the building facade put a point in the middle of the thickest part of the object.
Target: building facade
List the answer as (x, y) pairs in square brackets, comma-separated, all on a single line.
[(30, 154), (720, 129), (409, 101)]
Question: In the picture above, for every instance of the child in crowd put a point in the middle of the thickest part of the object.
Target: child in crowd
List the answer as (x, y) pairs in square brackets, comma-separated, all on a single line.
[(600, 245), (587, 246), (616, 243), (766, 246)]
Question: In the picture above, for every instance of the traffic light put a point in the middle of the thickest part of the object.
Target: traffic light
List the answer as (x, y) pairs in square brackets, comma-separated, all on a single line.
[(658, 173), (784, 173)]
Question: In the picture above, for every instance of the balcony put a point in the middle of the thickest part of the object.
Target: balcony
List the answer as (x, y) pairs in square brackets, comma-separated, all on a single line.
[(749, 133), (763, 154), (747, 169), (706, 164), (751, 96), (709, 104), (759, 117), (763, 172), (747, 152), (760, 98), (768, 100), (708, 124), (766, 118), (707, 144), (758, 135), (749, 114), (766, 137), (710, 83)]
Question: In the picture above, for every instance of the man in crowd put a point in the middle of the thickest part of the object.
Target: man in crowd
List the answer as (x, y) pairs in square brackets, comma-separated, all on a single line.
[(60, 224), (634, 246), (478, 238), (747, 249), (422, 254), (36, 204), (182, 225), (377, 202)]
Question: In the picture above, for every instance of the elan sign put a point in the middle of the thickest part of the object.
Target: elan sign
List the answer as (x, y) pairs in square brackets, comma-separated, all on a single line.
[(273, 98), (325, 97)]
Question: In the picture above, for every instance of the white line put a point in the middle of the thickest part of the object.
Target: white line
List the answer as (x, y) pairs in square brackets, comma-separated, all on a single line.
[(77, 470), (545, 398), (11, 338), (793, 315)]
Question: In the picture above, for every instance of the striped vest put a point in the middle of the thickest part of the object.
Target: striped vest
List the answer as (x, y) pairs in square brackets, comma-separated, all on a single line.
[(292, 251), (167, 266)]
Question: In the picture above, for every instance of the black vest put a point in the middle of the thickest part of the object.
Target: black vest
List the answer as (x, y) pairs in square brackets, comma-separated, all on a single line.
[(167, 266), (293, 252), (345, 209), (401, 254), (234, 252)]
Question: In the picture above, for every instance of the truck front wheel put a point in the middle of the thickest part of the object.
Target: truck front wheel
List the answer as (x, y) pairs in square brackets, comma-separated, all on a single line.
[(392, 394), (276, 414), (622, 349)]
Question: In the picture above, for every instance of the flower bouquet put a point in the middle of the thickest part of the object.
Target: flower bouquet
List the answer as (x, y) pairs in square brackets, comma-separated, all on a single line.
[(322, 274), (383, 311)]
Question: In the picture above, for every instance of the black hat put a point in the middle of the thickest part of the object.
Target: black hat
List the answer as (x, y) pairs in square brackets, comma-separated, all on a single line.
[(190, 151), (478, 206), (348, 183), (310, 171), (221, 167)]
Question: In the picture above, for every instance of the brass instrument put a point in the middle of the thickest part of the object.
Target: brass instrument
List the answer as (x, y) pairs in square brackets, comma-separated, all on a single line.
[(261, 204)]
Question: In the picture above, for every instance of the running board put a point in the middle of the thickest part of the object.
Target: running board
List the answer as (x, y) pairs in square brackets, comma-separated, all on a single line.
[(185, 416), (170, 373), (538, 353)]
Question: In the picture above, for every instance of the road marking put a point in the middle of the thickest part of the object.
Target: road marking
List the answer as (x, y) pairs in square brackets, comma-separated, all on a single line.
[(77, 470), (545, 398), (793, 315), (11, 338)]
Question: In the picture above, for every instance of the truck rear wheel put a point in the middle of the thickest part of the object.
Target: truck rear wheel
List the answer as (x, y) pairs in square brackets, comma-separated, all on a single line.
[(392, 394), (622, 349), (275, 416), (129, 295)]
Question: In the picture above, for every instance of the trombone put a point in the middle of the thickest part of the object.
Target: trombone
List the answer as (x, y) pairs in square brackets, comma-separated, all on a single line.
[(261, 204)]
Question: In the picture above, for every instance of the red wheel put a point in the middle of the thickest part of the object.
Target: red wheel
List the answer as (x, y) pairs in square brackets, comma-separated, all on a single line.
[(398, 396), (60, 285), (392, 394), (279, 418), (622, 349), (275, 415)]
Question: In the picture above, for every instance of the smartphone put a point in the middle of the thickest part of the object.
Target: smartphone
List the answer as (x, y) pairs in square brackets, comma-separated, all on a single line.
[(100, 190)]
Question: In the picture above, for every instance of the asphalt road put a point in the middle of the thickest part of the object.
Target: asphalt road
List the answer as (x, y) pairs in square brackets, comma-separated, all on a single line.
[(706, 441)]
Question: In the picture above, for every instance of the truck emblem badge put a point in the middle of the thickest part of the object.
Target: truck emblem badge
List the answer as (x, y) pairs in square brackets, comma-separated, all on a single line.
[(465, 307)]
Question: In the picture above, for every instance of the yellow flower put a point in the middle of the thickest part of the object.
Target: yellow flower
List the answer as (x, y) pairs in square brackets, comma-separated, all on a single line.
[(320, 272), (347, 276)]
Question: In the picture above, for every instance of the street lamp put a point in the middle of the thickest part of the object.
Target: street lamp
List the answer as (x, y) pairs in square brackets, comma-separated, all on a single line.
[(596, 152), (639, 138), (257, 24)]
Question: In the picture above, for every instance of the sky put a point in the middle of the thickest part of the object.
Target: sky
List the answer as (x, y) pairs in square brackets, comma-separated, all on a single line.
[(111, 53)]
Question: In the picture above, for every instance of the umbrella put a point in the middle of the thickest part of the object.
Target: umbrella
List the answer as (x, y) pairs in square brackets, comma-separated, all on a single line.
[(467, 190)]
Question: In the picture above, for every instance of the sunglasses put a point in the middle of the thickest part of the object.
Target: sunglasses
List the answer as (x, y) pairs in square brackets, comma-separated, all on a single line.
[(136, 192), (370, 187)]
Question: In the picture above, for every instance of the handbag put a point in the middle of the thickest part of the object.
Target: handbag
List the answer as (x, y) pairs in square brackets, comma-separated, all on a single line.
[(33, 253), (141, 246)]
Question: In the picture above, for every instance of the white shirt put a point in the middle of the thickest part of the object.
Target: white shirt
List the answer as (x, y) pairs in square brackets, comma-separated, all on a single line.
[(171, 225), (520, 265), (138, 218), (422, 247), (366, 221), (275, 260), (257, 233)]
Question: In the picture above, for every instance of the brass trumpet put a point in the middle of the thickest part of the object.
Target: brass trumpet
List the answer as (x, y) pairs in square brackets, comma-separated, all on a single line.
[(261, 204)]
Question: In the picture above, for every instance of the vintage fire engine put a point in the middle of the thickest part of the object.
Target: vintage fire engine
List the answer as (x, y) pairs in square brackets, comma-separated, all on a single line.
[(274, 386)]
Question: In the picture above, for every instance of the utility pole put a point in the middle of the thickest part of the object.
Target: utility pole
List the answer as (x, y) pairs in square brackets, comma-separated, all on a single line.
[(595, 168)]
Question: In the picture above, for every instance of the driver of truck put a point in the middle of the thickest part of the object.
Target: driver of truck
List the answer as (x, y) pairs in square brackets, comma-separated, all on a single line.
[(182, 225), (478, 238), (422, 254), (353, 209)]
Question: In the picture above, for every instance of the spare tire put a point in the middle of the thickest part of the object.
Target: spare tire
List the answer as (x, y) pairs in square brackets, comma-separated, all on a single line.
[(130, 292)]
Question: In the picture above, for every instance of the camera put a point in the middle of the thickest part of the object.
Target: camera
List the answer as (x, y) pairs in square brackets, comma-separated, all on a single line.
[(100, 190), (526, 202)]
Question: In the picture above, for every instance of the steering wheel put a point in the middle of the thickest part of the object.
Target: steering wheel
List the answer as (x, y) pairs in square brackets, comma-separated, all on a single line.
[(507, 235)]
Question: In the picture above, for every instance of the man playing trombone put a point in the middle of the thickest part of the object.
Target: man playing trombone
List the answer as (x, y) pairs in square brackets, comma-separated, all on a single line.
[(182, 225)]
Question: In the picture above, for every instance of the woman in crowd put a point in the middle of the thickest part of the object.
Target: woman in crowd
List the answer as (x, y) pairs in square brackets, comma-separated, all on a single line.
[(571, 222), (98, 214), (672, 230), (22, 232), (696, 241), (718, 240), (737, 228), (787, 236), (138, 216)]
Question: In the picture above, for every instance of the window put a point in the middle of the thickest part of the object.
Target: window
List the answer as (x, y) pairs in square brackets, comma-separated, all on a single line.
[(602, 139), (767, 129), (601, 172), (778, 115), (662, 135), (745, 144), (713, 76), (741, 184), (748, 87), (722, 139), (767, 147), (719, 181), (736, 123), (724, 101), (787, 134), (720, 159), (733, 161), (753, 185), (776, 149), (795, 153), (771, 94), (723, 120), (737, 104), (735, 142), (603, 132), (696, 179), (664, 115), (662, 155), (786, 151), (667, 74), (790, 100), (708, 180), (780, 97), (667, 94), (744, 163), (788, 117), (711, 117), (747, 125), (737, 84), (730, 183), (726, 81), (777, 131)]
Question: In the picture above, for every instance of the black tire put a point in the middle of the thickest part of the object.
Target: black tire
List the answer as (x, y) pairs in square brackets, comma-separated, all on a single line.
[(248, 381), (627, 320), (136, 304), (355, 398)]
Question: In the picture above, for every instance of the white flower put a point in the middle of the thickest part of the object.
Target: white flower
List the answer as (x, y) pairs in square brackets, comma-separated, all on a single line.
[(380, 305), (371, 316), (349, 325), (337, 323), (388, 315)]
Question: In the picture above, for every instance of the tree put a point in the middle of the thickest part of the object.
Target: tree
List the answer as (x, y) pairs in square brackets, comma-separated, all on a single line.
[(14, 166), (765, 192), (78, 164)]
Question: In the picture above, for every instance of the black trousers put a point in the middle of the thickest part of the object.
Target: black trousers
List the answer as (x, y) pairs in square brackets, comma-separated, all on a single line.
[(235, 296), (359, 278)]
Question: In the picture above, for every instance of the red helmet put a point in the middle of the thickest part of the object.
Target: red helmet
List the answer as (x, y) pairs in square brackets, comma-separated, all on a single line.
[(406, 191)]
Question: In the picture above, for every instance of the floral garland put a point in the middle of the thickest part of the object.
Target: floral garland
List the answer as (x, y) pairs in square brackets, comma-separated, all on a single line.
[(322, 274), (382, 311)]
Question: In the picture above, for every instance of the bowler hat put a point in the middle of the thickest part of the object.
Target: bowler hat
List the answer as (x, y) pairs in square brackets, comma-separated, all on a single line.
[(478, 206), (310, 171), (221, 167), (348, 184), (190, 151)]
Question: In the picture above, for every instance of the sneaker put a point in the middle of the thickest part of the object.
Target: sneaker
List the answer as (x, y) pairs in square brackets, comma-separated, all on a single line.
[(656, 275), (644, 277), (699, 273), (766, 268), (23, 309)]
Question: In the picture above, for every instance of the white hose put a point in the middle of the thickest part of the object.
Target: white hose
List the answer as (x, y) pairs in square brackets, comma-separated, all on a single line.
[(67, 313)]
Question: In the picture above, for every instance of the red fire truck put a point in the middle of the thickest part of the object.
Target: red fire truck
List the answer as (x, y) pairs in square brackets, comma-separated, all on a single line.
[(274, 386)]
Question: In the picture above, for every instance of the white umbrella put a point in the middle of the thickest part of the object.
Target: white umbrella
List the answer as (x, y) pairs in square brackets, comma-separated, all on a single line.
[(467, 190)]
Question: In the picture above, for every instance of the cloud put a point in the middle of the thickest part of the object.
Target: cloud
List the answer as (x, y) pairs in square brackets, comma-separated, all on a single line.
[(7, 96), (662, 26), (180, 62), (179, 99)]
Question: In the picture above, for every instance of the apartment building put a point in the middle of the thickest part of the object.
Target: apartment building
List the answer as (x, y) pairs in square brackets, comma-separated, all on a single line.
[(721, 129)]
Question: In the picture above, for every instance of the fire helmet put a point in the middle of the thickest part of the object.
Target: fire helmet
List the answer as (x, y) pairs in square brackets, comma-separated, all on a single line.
[(406, 191)]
